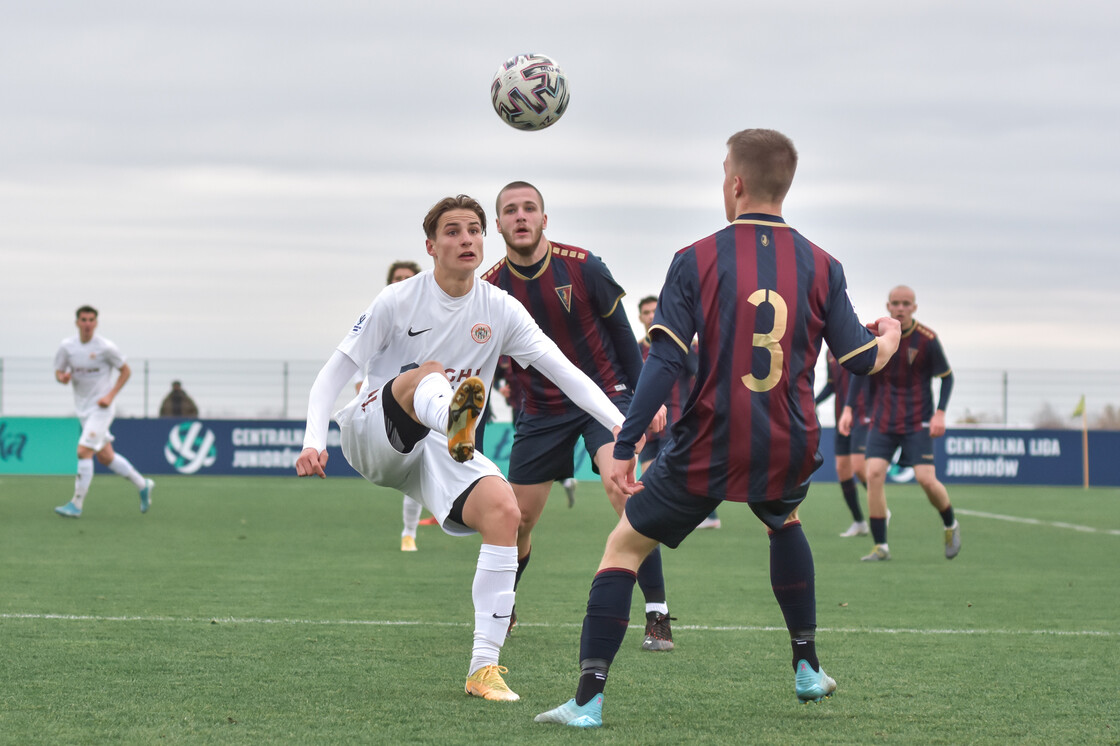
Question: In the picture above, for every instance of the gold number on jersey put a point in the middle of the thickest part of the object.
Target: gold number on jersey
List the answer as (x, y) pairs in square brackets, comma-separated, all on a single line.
[(771, 341)]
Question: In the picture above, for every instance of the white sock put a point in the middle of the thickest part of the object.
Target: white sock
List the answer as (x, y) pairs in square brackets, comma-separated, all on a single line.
[(432, 401), (661, 608), (410, 513), (493, 596), (121, 465), (81, 482)]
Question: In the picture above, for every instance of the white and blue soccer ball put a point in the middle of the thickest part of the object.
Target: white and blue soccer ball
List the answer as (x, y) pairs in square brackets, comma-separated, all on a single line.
[(529, 92)]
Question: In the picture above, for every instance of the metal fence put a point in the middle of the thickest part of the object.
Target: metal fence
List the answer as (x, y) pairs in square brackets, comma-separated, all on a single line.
[(277, 389)]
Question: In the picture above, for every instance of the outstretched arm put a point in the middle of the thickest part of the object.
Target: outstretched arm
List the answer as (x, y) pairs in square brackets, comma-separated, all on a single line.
[(579, 388), (335, 374)]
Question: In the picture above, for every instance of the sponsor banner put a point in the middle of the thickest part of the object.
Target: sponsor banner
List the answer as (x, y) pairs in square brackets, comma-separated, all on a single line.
[(47, 445), (226, 447), (39, 445)]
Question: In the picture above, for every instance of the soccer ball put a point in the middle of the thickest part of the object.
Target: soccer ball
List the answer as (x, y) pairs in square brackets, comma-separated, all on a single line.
[(529, 92)]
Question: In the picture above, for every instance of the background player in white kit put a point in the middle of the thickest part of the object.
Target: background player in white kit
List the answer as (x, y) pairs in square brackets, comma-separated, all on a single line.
[(88, 361), (414, 433)]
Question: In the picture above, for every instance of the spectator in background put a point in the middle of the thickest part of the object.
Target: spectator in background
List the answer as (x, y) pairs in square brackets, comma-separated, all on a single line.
[(178, 403)]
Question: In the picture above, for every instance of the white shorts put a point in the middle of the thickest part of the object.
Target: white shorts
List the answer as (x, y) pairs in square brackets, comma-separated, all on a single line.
[(428, 473), (95, 428)]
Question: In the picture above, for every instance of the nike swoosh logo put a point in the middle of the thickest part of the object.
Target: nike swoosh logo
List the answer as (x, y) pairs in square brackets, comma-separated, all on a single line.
[(413, 334), (507, 616)]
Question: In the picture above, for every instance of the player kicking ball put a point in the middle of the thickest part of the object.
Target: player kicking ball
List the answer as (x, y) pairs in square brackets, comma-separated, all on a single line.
[(430, 345)]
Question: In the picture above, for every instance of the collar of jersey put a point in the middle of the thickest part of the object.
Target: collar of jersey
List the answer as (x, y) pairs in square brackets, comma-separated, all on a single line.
[(544, 265), (913, 326), (758, 218)]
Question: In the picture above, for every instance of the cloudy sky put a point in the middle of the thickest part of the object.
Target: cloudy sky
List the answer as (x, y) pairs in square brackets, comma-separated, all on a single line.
[(231, 179)]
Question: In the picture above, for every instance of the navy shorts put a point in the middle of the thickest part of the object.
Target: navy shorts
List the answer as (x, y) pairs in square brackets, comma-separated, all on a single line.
[(544, 444), (665, 512), (917, 447), (844, 443)]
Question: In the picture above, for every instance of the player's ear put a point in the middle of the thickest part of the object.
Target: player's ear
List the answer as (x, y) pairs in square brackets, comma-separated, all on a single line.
[(544, 221), (430, 247)]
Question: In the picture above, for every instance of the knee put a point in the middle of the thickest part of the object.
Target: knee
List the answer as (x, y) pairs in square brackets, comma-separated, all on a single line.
[(104, 458), (507, 515)]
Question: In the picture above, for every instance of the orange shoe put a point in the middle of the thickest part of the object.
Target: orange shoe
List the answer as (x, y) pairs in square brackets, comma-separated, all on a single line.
[(466, 407), (408, 544), (487, 682), (429, 521)]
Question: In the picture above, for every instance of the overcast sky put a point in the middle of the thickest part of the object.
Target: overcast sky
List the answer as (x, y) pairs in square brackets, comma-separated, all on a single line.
[(231, 179)]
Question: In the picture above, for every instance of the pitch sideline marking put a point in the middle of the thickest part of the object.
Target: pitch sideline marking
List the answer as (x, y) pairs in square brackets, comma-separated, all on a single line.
[(1037, 522), (695, 627)]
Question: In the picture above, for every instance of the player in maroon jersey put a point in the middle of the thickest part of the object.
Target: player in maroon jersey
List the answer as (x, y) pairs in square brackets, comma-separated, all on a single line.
[(647, 307), (572, 296), (903, 416), (761, 299), (850, 442)]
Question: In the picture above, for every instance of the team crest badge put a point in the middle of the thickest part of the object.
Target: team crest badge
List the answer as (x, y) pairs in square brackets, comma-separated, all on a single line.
[(481, 333), (912, 354), (565, 293)]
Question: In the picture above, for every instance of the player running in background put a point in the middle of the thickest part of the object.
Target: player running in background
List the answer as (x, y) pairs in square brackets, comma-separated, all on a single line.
[(677, 397), (761, 298), (88, 361), (850, 442), (902, 416), (410, 509), (410, 431), (576, 301)]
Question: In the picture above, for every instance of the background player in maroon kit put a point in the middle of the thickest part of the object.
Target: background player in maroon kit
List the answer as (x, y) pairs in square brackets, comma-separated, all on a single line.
[(902, 416), (850, 442), (647, 307), (571, 294), (749, 432)]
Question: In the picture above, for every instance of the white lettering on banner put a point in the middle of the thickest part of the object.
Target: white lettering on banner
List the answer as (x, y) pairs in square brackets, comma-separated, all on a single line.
[(980, 446), (284, 459), (1046, 447), (1001, 468), (267, 436)]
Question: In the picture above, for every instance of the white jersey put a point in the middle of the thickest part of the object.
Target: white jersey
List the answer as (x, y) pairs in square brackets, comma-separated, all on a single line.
[(413, 321), (91, 367)]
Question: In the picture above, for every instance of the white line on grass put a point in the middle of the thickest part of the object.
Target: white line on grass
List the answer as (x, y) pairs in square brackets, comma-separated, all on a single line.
[(1036, 522), (697, 627)]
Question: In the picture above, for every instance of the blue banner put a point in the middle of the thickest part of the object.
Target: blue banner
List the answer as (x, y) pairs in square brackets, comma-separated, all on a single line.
[(271, 447)]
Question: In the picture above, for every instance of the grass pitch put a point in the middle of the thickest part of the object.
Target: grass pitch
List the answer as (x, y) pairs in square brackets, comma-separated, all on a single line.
[(242, 610)]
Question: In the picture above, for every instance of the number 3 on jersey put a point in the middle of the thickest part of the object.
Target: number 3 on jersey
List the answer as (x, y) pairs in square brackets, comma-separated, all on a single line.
[(771, 341)]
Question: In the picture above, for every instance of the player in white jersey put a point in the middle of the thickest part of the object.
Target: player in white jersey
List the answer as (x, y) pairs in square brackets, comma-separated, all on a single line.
[(87, 361), (409, 430)]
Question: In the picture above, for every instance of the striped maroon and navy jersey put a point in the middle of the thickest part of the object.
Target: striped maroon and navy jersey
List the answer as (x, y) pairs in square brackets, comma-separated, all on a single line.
[(674, 405), (840, 379), (760, 298), (569, 296), (901, 393)]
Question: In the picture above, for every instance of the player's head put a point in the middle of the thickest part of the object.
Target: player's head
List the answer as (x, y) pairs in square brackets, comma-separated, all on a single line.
[(647, 306), (521, 218), (85, 318), (901, 305), (760, 164), (401, 270), (454, 228)]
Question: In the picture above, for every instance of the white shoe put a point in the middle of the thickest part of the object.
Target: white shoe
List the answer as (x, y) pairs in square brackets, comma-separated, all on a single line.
[(709, 523), (858, 528)]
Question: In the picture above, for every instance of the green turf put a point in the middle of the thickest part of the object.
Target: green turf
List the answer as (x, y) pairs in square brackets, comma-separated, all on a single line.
[(243, 610)]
